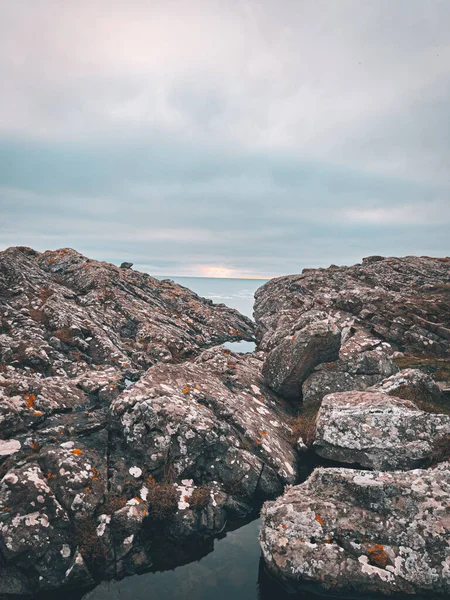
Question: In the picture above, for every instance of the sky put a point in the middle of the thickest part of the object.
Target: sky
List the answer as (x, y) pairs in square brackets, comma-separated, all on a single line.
[(235, 138)]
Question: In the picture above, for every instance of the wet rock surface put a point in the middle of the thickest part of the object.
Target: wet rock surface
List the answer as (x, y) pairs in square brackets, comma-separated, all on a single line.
[(360, 531)]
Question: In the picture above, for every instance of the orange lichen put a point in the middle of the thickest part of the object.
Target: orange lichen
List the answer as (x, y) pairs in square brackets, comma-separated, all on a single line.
[(30, 399), (378, 556), (262, 433), (319, 519), (35, 446), (283, 525), (77, 451), (186, 389)]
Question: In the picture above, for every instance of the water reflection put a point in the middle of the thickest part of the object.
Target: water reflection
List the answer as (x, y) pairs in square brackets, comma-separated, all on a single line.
[(229, 568), (241, 347)]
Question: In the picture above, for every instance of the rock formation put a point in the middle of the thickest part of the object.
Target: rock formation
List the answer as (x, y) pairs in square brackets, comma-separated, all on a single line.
[(380, 306), (385, 531), (378, 431), (123, 422), (116, 419), (360, 531)]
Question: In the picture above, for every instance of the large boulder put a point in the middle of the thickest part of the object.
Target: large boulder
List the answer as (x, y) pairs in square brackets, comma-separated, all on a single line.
[(213, 420), (315, 339), (363, 532), (378, 431), (364, 360)]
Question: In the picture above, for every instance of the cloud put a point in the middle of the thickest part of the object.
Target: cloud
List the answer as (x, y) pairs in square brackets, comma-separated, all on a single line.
[(249, 137)]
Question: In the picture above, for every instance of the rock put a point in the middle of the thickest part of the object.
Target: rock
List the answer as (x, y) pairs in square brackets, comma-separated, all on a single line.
[(126, 265), (414, 385), (62, 313), (288, 364), (363, 532), (74, 335), (395, 304), (35, 530), (378, 431), (211, 421), (364, 360)]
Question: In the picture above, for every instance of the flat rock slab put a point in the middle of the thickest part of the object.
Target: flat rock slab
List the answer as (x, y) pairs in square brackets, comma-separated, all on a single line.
[(360, 531), (378, 431)]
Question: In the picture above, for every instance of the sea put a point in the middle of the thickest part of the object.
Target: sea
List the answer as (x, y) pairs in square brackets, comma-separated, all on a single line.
[(230, 566), (235, 293)]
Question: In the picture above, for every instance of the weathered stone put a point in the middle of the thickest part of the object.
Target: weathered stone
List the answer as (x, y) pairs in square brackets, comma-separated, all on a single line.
[(364, 360), (377, 431), (401, 301), (62, 313), (364, 532), (35, 530), (212, 420), (414, 385), (291, 361)]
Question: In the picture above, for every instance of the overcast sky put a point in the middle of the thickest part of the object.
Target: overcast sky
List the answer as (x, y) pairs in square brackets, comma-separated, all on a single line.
[(226, 137)]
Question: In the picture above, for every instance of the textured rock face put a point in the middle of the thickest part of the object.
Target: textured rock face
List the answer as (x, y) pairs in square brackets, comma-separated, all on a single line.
[(381, 306), (363, 361), (403, 301), (316, 341), (362, 531), (75, 503), (61, 312), (414, 385), (377, 430), (212, 420)]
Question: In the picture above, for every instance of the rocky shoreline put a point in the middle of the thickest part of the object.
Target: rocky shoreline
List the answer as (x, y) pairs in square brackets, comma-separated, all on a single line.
[(123, 420)]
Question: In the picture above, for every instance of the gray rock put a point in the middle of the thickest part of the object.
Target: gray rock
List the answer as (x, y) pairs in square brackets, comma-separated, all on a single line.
[(364, 360), (126, 265), (414, 385), (61, 313), (363, 532), (35, 530), (402, 301), (293, 358), (212, 420), (378, 431)]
